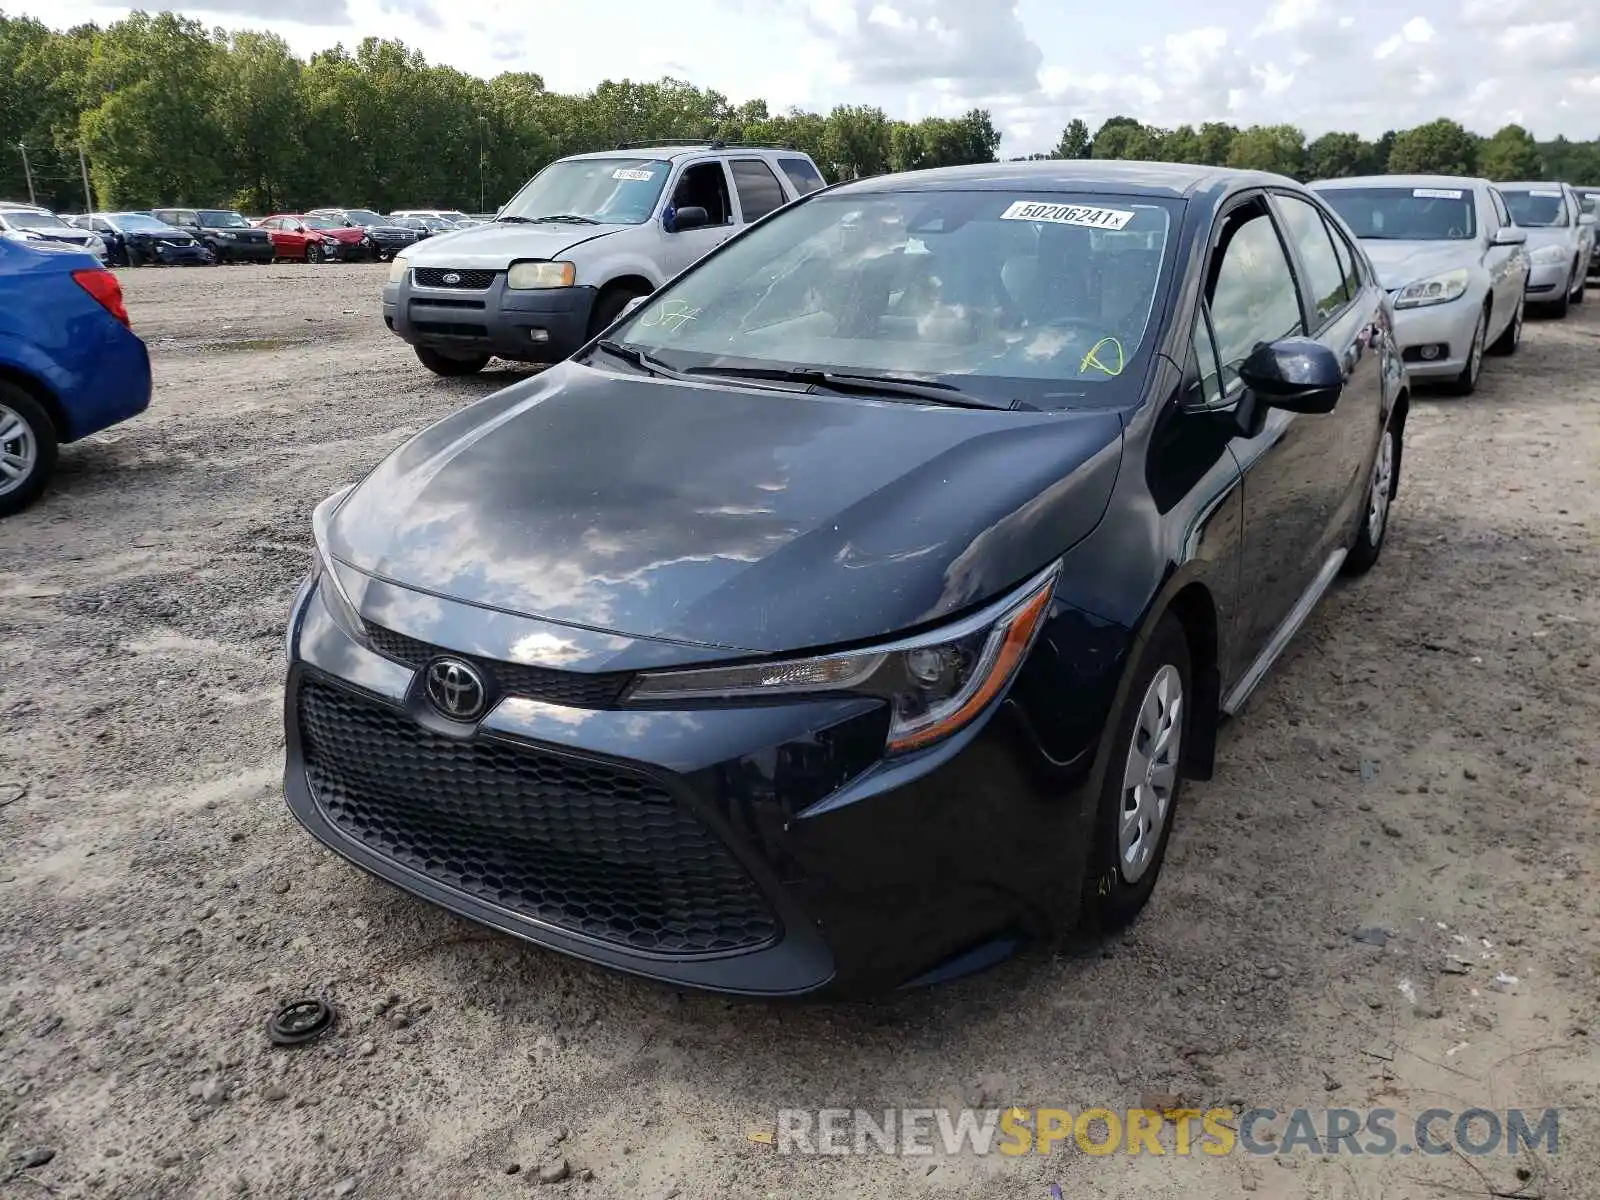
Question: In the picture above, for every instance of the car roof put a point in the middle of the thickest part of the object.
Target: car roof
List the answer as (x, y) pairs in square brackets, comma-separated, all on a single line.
[(1403, 181), (679, 150), (1120, 177), (14, 206)]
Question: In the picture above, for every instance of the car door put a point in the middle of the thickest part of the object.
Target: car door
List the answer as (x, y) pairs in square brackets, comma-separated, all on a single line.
[(702, 184), (1294, 468), (1508, 275)]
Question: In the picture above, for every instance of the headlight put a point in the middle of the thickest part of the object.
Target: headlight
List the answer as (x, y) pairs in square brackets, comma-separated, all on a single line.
[(1549, 254), (398, 266), (338, 600), (525, 276), (935, 684), (1436, 289), (227, 237)]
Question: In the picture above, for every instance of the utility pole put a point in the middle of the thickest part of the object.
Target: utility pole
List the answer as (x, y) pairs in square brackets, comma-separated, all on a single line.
[(482, 123), (28, 171), (83, 165)]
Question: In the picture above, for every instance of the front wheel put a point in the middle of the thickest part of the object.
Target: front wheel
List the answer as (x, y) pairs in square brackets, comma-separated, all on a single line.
[(313, 253), (444, 364), (1582, 282), (1507, 342), (610, 305), (1375, 520), (1466, 383), (1139, 794), (27, 449)]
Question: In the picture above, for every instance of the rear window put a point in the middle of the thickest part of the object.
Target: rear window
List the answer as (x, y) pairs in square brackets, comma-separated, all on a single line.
[(802, 175)]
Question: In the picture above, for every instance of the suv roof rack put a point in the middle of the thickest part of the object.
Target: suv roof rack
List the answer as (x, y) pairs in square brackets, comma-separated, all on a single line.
[(708, 143)]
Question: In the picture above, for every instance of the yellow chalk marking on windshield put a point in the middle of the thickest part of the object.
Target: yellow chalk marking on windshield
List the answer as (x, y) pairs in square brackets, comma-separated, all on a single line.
[(1092, 359)]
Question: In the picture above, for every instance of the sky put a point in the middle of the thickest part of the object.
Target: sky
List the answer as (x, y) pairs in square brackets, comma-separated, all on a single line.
[(1361, 65)]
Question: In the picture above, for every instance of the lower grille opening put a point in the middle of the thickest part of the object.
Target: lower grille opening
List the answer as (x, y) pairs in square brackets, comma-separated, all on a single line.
[(587, 847), (450, 329)]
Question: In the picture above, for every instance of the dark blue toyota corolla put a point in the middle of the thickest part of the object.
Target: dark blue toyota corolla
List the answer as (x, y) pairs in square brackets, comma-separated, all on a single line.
[(851, 610)]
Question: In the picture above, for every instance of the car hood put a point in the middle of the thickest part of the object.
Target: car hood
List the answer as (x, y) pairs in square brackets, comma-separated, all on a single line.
[(351, 234), (1567, 237), (1402, 262), (726, 516), (494, 246)]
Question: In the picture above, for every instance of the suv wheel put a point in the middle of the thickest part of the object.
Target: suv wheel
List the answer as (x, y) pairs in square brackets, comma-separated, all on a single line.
[(449, 365), (27, 449), (611, 303)]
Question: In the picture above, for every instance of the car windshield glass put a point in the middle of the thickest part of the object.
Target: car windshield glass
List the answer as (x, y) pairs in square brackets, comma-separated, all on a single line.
[(1042, 299), (617, 191), (28, 220), (1589, 202), (321, 223), (213, 219), (142, 224), (364, 216), (1536, 208), (1411, 214)]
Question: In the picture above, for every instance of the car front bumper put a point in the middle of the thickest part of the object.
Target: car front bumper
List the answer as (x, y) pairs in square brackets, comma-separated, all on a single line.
[(536, 325), (1449, 326), (242, 251), (763, 851)]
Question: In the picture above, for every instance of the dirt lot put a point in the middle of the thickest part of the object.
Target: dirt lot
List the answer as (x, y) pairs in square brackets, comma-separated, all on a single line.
[(1423, 760)]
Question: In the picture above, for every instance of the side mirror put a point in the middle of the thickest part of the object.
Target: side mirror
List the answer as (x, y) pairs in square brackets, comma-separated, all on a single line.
[(692, 217), (1295, 374), (1509, 235), (632, 305)]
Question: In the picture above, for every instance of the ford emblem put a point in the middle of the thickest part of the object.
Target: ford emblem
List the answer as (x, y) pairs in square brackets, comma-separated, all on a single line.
[(450, 277)]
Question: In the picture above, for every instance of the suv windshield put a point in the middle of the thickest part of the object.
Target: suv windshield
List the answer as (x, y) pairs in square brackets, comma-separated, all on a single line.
[(1413, 214), (1043, 299), (616, 191), (1537, 208), (30, 220), (137, 223), (216, 219)]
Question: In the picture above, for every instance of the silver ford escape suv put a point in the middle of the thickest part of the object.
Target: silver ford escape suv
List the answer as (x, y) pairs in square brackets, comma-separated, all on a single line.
[(583, 238)]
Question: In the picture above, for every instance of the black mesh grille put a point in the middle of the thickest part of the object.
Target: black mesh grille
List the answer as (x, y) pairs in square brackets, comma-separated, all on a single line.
[(435, 277), (570, 688), (581, 846)]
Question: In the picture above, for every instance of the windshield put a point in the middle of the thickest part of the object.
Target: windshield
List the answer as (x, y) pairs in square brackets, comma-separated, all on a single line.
[(1537, 208), (1589, 202), (617, 191), (141, 224), (321, 223), (364, 216), (1414, 214), (1009, 296), (214, 219), (28, 220)]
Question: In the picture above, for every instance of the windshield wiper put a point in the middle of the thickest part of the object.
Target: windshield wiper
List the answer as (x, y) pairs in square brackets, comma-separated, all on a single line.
[(514, 220), (569, 218), (639, 359), (863, 384)]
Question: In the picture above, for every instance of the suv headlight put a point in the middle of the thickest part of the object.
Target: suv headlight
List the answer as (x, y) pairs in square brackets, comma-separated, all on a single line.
[(1436, 289), (226, 236), (334, 596), (1549, 254), (936, 683), (398, 266), (525, 276)]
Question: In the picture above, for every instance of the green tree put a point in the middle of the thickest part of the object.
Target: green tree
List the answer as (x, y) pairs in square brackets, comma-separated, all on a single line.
[(1181, 145), (259, 105), (1511, 154), (1276, 148), (1440, 147), (1216, 140), (1336, 156), (1075, 141), (857, 141), (1122, 137)]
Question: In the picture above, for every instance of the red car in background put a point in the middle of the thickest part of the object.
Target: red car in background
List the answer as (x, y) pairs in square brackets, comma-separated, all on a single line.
[(315, 239)]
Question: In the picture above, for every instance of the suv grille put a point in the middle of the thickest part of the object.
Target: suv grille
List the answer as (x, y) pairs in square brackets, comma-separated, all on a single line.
[(573, 689), (582, 846), (476, 280)]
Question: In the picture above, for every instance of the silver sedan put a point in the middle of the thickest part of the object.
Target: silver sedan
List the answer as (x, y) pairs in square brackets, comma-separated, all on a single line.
[(1560, 241), (1452, 259)]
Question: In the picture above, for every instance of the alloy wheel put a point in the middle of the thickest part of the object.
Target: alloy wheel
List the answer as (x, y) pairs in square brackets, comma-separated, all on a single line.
[(1382, 480), (19, 451), (1475, 355), (1151, 773)]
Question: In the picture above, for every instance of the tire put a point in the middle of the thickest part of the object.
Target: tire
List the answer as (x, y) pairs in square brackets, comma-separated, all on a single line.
[(610, 305), (27, 449), (1582, 282), (1559, 308), (1382, 484), (1123, 866), (1506, 344), (313, 253), (444, 364), (1466, 383)]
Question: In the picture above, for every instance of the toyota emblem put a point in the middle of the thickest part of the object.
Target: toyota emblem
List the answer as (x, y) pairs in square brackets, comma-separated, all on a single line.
[(455, 689), (450, 277)]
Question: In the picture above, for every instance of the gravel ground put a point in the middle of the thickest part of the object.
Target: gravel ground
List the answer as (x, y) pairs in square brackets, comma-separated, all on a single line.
[(1423, 760)]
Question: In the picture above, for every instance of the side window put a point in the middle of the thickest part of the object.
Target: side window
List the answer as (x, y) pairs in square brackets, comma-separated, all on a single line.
[(802, 175), (758, 188), (1204, 369), (1253, 297), (1310, 236), (1349, 261), (705, 185)]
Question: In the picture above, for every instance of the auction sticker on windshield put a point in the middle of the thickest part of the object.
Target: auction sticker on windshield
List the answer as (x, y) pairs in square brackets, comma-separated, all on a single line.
[(1550, 192), (1437, 193), (1067, 214), (633, 173)]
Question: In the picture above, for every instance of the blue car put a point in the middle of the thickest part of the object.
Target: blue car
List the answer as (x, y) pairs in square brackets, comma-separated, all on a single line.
[(70, 365)]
